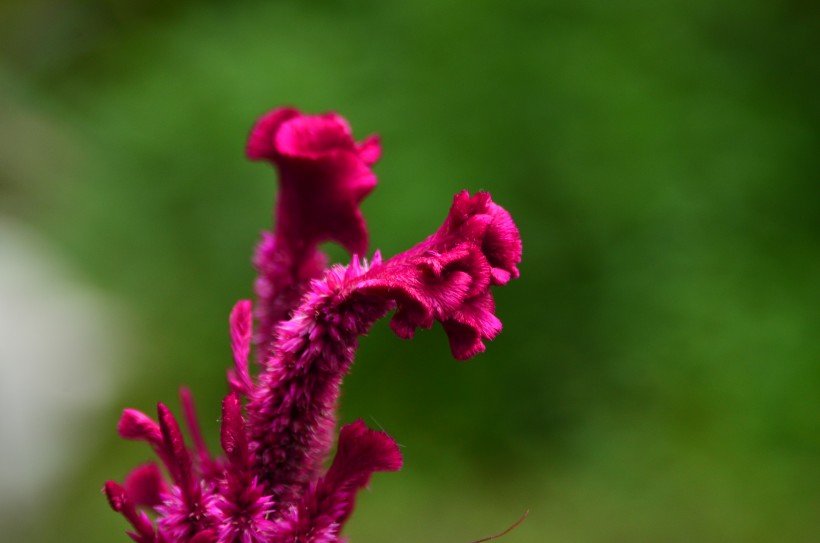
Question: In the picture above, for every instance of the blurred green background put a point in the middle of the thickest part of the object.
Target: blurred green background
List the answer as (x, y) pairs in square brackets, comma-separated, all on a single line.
[(657, 378)]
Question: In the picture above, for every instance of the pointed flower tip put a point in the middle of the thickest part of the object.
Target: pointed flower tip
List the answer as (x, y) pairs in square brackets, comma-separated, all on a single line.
[(175, 450), (136, 425), (241, 325), (171, 433), (233, 437), (145, 485), (370, 150), (120, 502), (241, 312), (362, 451), (116, 495), (324, 175), (189, 412)]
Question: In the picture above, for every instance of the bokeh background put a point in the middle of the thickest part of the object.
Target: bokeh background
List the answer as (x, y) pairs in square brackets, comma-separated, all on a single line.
[(658, 375)]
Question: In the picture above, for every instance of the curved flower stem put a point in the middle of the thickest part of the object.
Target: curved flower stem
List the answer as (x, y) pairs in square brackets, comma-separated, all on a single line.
[(447, 277)]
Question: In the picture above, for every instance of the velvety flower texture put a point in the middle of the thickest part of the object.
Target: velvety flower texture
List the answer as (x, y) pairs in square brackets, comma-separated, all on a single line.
[(277, 429)]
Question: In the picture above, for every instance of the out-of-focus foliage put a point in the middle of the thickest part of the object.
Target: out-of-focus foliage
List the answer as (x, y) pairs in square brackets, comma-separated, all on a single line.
[(658, 375)]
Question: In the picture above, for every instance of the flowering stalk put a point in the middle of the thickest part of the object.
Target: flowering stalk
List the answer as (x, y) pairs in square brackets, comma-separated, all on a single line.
[(269, 487)]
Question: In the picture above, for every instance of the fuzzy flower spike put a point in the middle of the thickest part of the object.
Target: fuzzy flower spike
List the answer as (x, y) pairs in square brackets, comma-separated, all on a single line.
[(269, 486)]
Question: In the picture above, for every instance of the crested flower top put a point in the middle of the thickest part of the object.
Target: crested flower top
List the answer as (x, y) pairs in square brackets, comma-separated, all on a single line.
[(323, 175), (270, 486)]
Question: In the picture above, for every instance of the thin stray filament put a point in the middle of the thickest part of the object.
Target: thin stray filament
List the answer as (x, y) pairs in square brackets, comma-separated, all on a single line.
[(505, 532)]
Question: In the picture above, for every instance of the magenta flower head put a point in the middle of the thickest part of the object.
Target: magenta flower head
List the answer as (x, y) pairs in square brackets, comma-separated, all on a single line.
[(269, 484)]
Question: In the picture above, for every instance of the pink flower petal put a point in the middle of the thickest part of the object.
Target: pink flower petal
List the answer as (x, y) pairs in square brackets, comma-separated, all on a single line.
[(186, 398), (241, 322), (360, 453), (261, 141), (314, 137), (323, 174), (138, 426), (233, 438), (120, 502), (145, 485), (328, 502), (174, 445)]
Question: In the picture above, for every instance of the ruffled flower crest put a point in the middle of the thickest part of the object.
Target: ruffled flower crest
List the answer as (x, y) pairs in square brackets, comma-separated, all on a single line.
[(448, 276), (277, 429)]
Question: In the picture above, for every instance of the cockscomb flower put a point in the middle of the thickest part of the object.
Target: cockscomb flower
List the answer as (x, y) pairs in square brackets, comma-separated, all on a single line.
[(277, 430), (323, 177)]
